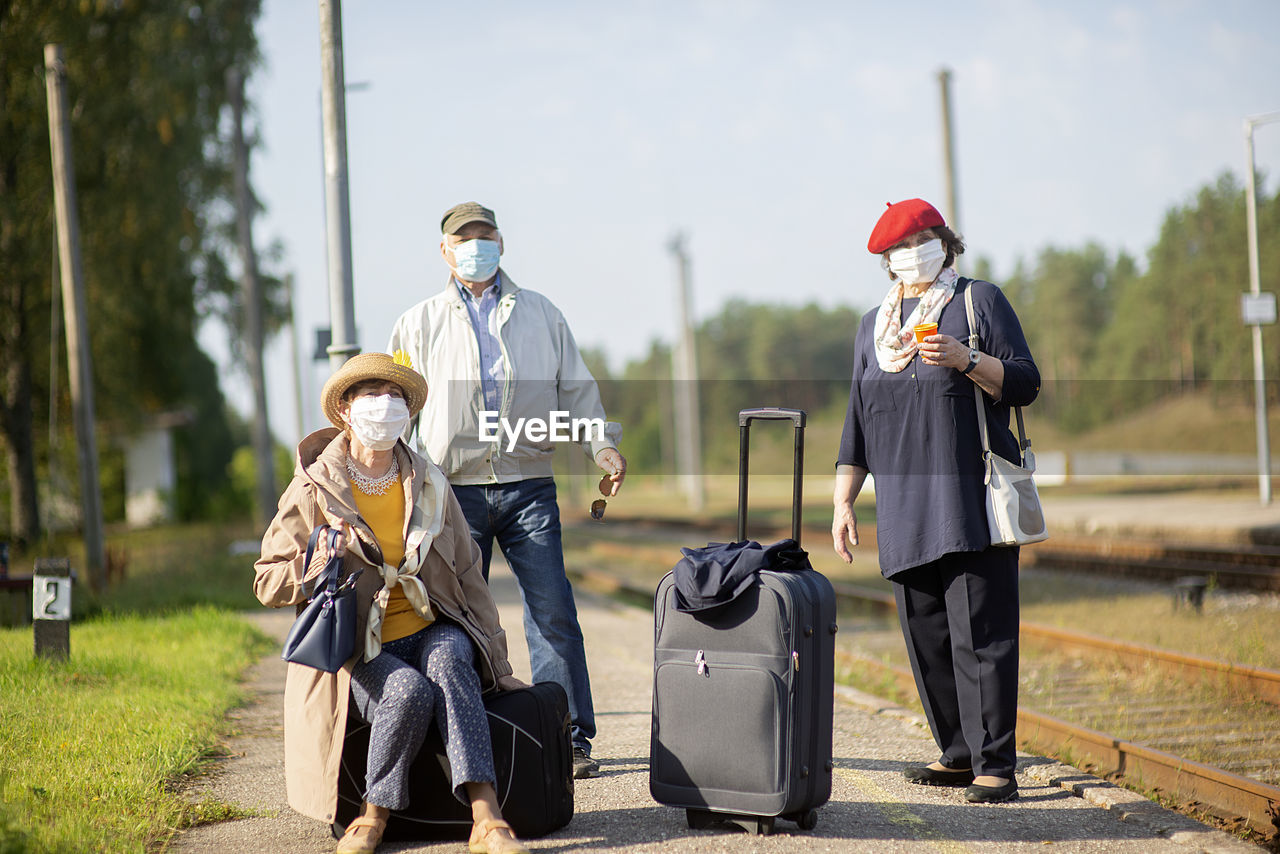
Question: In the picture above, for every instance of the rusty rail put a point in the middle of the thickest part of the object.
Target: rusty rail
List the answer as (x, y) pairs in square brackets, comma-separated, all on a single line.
[(1222, 793), (1256, 681)]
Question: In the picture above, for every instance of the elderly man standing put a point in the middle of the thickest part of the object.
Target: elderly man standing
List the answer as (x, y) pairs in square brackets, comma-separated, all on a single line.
[(494, 354)]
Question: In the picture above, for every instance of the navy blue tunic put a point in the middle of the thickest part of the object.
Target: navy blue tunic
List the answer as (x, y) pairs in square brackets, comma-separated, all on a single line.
[(916, 431)]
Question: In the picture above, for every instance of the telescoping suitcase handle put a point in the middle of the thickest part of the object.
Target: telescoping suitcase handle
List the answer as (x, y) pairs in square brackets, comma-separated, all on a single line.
[(769, 413)]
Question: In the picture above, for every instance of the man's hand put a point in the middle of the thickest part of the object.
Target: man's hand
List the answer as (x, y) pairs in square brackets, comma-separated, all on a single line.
[(844, 531), (614, 467), (510, 683)]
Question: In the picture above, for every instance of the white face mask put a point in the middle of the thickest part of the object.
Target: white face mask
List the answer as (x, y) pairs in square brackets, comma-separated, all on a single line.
[(918, 264), (378, 421), (475, 260)]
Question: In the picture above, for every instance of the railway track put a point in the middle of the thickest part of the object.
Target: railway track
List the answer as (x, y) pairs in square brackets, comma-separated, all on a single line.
[(1176, 719), (1241, 567), (1235, 567)]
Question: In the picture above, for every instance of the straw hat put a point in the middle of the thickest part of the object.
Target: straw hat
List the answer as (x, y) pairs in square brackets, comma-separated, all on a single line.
[(373, 366)]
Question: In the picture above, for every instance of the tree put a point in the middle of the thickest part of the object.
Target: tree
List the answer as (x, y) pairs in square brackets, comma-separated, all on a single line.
[(1062, 304), (1178, 326), (146, 89)]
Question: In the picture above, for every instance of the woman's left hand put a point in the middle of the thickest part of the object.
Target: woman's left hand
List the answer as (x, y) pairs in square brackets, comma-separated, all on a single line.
[(510, 683), (945, 352)]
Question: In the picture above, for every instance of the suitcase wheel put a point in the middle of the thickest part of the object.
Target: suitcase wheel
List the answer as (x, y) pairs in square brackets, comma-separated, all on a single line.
[(704, 819), (807, 820)]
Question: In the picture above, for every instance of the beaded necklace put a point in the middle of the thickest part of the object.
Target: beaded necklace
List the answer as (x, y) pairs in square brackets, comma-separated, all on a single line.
[(373, 485)]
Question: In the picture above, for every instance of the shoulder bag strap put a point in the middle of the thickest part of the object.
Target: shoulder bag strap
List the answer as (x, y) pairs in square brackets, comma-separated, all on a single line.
[(1023, 442), (329, 577), (977, 391)]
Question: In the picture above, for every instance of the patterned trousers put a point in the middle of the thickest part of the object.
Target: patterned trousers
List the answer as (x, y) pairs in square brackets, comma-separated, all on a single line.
[(425, 677)]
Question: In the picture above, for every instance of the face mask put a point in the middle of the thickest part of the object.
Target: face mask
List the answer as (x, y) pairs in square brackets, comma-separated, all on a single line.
[(475, 260), (918, 264), (378, 421)]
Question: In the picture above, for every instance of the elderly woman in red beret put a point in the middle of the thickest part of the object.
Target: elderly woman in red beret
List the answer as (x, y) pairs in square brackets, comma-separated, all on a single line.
[(912, 423)]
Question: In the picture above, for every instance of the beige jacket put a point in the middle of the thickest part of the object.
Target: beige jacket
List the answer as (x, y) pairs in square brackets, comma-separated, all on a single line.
[(545, 375), (315, 703)]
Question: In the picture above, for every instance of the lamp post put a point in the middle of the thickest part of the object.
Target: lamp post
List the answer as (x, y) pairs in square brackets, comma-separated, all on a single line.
[(1266, 316)]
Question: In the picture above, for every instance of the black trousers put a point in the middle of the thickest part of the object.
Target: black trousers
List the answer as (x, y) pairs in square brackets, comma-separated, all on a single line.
[(959, 617)]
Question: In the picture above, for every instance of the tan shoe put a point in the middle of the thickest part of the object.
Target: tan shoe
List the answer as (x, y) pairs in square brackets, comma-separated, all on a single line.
[(355, 842), (488, 837)]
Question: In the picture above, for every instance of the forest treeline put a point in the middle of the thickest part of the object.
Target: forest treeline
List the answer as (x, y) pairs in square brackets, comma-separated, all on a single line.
[(1110, 335)]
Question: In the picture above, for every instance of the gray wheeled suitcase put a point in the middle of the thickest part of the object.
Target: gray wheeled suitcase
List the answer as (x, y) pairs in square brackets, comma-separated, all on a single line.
[(743, 696)]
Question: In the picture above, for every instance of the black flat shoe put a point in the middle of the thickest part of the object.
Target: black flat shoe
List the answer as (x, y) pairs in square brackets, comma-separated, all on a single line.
[(923, 775), (976, 794)]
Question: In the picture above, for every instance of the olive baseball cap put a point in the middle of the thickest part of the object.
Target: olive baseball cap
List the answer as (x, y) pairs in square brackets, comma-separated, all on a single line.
[(459, 215)]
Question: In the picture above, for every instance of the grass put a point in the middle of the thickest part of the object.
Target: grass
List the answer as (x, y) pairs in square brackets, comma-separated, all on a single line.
[(93, 750), (1197, 422)]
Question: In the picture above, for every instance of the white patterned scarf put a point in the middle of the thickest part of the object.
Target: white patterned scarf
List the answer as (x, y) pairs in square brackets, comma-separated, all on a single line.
[(425, 522), (895, 341)]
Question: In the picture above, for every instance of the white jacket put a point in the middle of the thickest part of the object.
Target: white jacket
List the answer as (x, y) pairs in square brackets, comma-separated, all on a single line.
[(545, 375)]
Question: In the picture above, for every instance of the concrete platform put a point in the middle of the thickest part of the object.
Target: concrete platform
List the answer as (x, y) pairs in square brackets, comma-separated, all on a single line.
[(872, 808)]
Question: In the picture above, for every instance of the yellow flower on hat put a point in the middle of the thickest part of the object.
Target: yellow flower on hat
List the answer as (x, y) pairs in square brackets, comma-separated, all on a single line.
[(400, 357)]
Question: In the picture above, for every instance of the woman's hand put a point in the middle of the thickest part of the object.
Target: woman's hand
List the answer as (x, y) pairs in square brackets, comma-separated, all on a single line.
[(510, 683), (340, 544), (947, 352), (844, 531), (944, 351)]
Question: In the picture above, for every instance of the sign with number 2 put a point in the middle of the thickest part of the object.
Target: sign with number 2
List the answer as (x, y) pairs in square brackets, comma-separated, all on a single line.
[(50, 598)]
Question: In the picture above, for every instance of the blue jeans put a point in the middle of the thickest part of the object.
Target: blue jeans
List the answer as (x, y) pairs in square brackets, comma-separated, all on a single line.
[(525, 520)]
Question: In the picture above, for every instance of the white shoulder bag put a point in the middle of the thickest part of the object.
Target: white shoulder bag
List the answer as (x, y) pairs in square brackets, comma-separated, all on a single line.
[(1014, 514)]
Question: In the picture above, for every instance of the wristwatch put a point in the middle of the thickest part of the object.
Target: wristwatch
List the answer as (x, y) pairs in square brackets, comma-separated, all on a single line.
[(974, 356)]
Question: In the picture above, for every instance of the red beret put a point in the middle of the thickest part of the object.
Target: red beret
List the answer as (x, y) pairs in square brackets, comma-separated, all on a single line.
[(900, 221)]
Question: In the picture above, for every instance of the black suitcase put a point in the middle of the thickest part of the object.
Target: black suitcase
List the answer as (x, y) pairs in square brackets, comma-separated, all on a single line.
[(532, 756), (743, 698)]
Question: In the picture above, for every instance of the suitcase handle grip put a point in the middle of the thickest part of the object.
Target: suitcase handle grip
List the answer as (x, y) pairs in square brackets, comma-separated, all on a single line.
[(770, 413)]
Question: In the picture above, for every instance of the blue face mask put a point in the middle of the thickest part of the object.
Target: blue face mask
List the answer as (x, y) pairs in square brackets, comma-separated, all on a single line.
[(476, 260)]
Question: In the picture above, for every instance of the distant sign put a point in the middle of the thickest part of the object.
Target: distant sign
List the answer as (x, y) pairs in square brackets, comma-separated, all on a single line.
[(1258, 309)]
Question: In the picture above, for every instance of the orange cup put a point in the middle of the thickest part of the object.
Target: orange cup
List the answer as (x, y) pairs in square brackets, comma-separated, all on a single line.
[(924, 330)]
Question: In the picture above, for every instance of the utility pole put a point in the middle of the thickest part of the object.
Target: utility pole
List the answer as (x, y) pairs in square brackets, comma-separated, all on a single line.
[(949, 152), (252, 295), (1255, 300), (295, 356), (337, 200), (685, 374), (79, 357)]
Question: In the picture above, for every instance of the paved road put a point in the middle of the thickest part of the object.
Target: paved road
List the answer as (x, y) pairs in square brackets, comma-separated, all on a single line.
[(872, 808)]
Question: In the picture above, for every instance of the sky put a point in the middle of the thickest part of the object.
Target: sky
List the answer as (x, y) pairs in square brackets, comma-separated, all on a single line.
[(770, 132)]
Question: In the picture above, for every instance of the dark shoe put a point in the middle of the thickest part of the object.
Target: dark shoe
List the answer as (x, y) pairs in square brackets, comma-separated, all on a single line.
[(583, 765), (923, 775), (976, 794)]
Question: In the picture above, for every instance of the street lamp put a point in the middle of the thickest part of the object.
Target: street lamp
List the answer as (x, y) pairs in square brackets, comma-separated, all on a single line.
[(1258, 309)]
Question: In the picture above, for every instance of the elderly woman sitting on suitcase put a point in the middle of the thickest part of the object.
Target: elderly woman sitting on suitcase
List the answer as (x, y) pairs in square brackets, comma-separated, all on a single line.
[(428, 640)]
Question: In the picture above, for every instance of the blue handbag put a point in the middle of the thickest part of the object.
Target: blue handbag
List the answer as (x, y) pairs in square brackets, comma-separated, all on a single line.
[(324, 634)]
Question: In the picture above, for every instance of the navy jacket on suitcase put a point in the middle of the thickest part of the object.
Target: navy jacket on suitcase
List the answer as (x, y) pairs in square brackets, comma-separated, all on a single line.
[(743, 691), (529, 728)]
